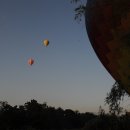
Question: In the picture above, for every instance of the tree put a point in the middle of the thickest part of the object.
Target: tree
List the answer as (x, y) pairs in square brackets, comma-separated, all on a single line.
[(101, 111), (114, 98), (117, 93), (79, 10)]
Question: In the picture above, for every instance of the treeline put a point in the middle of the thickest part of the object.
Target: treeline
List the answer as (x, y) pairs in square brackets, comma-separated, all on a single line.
[(35, 116), (109, 122)]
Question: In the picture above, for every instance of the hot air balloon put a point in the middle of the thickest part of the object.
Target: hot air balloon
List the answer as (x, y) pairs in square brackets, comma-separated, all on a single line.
[(30, 61), (108, 28), (46, 42)]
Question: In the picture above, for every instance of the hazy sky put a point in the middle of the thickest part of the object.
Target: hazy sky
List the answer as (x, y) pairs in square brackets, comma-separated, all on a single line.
[(65, 74)]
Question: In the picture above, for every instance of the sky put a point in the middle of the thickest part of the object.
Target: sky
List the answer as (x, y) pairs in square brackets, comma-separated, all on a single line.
[(65, 74)]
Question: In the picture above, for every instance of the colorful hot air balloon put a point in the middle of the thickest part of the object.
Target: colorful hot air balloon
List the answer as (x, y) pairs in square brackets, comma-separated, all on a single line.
[(108, 27), (46, 42), (30, 61)]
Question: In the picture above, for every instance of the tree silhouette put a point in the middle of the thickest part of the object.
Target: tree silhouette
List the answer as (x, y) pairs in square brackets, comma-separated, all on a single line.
[(79, 10), (36, 116), (114, 98)]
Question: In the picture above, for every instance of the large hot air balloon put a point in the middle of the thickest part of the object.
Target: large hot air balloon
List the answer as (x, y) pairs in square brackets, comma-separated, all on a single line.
[(108, 28), (46, 42), (30, 61)]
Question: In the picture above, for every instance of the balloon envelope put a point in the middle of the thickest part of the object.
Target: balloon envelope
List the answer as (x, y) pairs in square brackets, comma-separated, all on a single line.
[(30, 61), (46, 42), (108, 27)]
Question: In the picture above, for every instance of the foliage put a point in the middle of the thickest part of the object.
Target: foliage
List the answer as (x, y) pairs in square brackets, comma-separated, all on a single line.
[(101, 111), (114, 98), (79, 10), (35, 116), (75, 1), (108, 122)]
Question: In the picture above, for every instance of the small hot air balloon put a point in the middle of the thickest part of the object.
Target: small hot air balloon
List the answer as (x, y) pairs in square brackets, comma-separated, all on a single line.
[(30, 61), (108, 27), (46, 42)]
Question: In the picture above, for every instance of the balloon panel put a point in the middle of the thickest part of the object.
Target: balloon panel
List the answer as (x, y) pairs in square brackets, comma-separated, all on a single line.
[(108, 27)]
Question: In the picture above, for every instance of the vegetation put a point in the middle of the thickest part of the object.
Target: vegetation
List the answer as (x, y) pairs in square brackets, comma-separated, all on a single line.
[(114, 98), (35, 116), (80, 9)]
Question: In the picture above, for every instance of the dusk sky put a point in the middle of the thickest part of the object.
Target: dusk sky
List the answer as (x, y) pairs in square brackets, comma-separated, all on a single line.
[(65, 74)]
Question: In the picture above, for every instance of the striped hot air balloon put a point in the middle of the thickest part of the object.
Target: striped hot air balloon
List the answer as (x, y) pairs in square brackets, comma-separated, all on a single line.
[(108, 28)]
